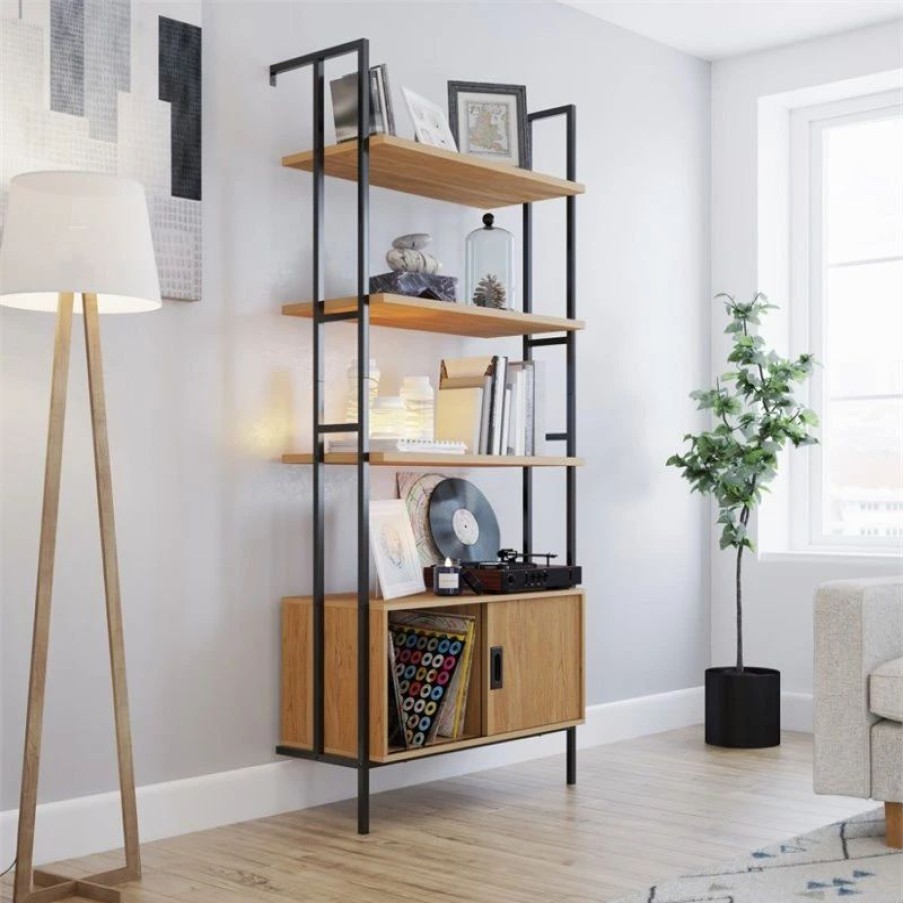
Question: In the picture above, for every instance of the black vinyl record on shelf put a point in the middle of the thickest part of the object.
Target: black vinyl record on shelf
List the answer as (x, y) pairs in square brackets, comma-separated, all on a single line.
[(462, 522)]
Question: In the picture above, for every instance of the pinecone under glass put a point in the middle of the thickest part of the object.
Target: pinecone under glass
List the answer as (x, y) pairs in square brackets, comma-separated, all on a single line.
[(489, 292)]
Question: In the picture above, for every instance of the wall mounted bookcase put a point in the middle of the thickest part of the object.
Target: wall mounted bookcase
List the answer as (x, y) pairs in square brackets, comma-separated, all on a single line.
[(334, 665)]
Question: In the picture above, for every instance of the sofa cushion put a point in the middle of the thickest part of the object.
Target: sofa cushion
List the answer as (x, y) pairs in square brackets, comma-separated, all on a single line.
[(886, 690)]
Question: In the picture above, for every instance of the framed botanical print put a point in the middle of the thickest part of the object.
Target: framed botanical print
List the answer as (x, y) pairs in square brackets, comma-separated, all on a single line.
[(490, 121)]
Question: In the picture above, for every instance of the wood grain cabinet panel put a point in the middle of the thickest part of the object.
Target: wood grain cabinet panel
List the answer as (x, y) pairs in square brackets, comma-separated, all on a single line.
[(540, 643), (340, 672)]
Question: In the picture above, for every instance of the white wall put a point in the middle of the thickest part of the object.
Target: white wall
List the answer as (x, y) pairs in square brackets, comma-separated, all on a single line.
[(778, 593), (203, 397)]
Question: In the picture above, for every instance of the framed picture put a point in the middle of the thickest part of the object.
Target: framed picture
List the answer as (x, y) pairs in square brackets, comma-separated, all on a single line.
[(430, 121), (394, 549), (344, 105), (490, 121)]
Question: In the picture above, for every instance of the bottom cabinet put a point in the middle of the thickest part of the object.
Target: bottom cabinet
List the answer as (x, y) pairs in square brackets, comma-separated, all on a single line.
[(527, 669), (533, 662)]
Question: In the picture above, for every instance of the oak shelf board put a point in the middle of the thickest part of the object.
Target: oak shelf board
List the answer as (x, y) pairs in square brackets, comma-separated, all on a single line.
[(467, 742), (448, 745), (430, 600), (446, 317), (418, 459), (407, 166)]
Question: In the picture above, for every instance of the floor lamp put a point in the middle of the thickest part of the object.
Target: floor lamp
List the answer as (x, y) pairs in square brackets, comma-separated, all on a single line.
[(76, 243)]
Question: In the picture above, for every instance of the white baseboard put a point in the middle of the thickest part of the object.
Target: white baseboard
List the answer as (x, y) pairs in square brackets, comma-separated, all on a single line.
[(90, 824), (796, 712)]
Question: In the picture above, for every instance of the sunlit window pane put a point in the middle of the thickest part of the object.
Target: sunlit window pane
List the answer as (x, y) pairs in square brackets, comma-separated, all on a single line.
[(863, 180), (864, 329), (863, 443)]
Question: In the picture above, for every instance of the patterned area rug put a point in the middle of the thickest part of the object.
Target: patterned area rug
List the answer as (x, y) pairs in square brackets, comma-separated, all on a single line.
[(848, 860)]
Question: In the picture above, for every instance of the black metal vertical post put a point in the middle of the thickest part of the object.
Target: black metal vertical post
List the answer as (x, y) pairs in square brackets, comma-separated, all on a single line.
[(527, 472), (319, 566), (571, 370), (363, 440), (570, 342)]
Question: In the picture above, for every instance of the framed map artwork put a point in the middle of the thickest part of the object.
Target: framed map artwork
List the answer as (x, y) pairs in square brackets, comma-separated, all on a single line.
[(490, 121)]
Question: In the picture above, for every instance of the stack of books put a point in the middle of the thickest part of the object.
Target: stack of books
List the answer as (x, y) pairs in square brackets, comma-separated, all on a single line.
[(408, 446), (493, 405)]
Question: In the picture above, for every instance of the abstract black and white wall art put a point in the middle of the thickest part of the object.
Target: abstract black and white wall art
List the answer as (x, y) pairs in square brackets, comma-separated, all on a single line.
[(111, 86)]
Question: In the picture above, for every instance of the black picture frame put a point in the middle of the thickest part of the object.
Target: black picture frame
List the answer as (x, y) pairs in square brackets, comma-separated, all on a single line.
[(518, 92)]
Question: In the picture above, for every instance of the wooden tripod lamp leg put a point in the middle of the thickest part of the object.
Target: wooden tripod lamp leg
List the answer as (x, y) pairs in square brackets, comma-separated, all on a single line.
[(31, 885), (111, 585), (35, 714)]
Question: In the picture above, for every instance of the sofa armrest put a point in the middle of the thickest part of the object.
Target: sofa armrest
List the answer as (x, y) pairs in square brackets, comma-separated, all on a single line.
[(858, 625)]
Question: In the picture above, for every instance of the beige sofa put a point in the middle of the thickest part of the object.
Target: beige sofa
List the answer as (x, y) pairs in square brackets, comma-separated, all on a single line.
[(859, 694)]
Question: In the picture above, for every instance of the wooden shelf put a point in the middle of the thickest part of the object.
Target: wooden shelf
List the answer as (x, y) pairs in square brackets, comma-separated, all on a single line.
[(469, 741), (404, 165), (446, 317), (431, 600), (410, 459), (443, 746)]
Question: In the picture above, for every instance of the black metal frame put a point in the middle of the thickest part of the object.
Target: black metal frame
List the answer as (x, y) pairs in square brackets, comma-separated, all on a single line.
[(362, 762), (569, 436)]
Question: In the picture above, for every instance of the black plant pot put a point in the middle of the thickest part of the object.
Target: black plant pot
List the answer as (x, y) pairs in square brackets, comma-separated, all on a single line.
[(743, 709)]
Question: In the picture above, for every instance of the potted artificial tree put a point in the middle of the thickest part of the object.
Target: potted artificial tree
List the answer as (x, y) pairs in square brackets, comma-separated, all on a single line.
[(755, 414)]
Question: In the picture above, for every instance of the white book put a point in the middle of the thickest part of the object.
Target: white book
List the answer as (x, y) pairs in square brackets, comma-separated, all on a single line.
[(520, 447), (539, 408), (496, 411), (517, 383), (510, 425), (529, 383), (484, 415), (506, 422)]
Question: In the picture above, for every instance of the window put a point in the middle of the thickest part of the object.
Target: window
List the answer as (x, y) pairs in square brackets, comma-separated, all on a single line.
[(846, 276)]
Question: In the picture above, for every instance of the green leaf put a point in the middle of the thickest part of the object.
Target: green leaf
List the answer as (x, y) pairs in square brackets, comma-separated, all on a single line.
[(755, 411)]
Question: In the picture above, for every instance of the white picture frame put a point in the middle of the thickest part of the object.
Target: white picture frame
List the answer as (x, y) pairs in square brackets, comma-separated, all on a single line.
[(430, 122), (395, 550)]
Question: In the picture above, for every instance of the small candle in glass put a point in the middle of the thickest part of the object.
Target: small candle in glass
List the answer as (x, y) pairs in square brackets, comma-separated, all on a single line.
[(447, 579)]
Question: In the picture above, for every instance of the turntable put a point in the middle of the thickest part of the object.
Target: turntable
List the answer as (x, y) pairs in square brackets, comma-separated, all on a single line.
[(510, 575)]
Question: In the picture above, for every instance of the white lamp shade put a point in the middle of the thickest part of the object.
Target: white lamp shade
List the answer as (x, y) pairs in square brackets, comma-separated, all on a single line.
[(78, 232)]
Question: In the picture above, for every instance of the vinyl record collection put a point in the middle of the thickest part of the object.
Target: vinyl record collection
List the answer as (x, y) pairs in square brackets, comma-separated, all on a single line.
[(430, 657)]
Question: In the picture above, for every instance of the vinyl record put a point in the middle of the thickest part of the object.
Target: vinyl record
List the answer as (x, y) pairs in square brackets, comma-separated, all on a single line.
[(462, 522)]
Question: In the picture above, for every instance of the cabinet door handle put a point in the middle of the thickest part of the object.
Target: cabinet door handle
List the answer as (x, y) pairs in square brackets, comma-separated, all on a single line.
[(495, 667)]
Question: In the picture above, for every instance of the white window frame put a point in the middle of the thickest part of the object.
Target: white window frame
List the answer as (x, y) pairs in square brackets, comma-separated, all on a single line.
[(807, 312)]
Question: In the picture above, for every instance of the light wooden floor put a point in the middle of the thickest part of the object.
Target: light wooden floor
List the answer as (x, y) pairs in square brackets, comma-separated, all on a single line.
[(643, 810)]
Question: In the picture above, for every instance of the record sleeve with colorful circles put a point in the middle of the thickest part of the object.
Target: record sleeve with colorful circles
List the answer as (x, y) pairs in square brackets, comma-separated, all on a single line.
[(431, 664)]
